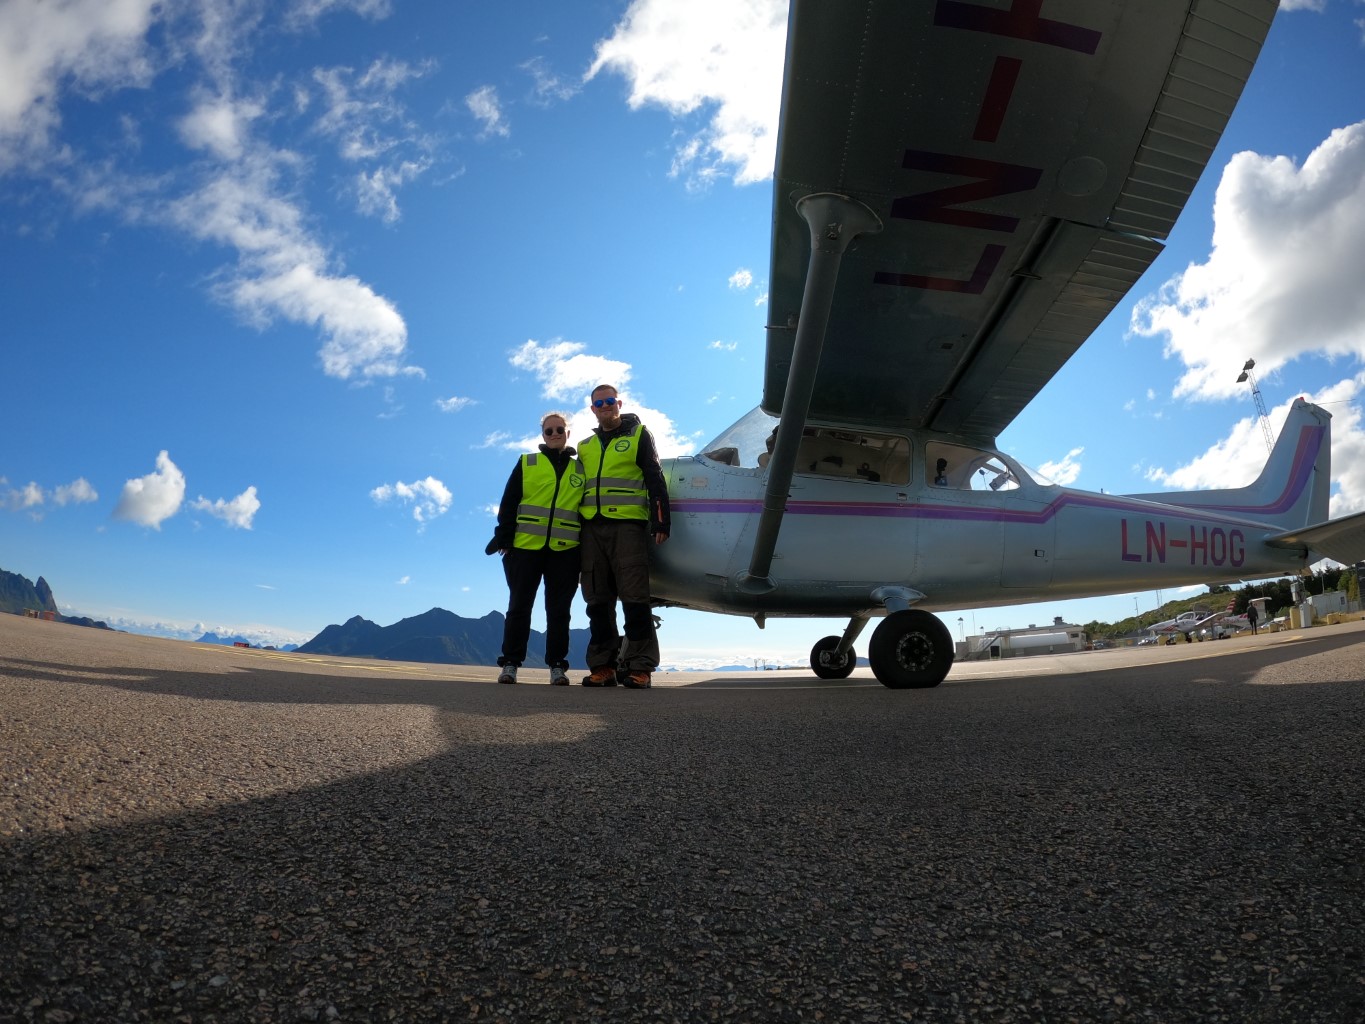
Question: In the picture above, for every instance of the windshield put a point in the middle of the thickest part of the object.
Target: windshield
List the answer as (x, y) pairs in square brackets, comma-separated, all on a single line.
[(744, 442)]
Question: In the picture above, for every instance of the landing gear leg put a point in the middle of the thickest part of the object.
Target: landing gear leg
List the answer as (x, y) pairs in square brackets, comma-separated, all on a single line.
[(911, 649), (834, 657)]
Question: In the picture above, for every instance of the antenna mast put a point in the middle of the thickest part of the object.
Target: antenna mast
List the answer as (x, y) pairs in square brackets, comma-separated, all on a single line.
[(1245, 376)]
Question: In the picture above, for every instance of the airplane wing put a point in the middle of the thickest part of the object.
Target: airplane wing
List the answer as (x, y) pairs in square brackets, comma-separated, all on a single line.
[(1340, 539), (1025, 159)]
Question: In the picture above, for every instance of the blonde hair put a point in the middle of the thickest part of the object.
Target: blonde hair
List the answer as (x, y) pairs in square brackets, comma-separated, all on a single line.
[(555, 414)]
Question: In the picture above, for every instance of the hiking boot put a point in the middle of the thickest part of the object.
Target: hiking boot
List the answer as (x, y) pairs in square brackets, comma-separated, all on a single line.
[(508, 674), (603, 675), (636, 680), (558, 676)]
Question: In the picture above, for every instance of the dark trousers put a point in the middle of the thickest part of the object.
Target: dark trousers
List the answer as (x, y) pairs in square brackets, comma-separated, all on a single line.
[(616, 568), (524, 571)]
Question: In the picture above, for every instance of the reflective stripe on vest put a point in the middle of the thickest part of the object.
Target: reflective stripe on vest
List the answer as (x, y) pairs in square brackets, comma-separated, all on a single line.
[(616, 485), (548, 513)]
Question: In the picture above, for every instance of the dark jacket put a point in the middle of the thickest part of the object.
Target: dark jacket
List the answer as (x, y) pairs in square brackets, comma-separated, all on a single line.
[(505, 532), (647, 458)]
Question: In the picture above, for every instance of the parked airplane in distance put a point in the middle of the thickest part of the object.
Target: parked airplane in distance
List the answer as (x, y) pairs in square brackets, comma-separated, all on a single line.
[(963, 192), (1185, 622)]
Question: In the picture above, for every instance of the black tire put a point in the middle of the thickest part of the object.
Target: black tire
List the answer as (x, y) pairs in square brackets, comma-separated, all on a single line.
[(911, 650), (824, 664)]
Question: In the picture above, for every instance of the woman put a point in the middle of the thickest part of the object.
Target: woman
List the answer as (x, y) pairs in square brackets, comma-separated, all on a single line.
[(537, 536)]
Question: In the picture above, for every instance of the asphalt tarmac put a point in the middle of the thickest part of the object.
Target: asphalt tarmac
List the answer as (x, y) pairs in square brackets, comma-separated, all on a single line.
[(209, 834)]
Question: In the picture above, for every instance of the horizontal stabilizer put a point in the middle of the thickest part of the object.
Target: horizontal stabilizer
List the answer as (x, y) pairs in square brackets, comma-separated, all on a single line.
[(1340, 539)]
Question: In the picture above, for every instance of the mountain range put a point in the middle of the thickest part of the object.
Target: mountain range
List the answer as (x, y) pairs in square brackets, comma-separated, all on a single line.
[(18, 595), (237, 638), (436, 636)]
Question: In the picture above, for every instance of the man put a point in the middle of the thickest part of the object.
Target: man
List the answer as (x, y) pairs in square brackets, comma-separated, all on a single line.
[(625, 506)]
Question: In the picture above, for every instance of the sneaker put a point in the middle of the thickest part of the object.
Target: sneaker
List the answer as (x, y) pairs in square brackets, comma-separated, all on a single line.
[(508, 674), (604, 675), (558, 677), (636, 680)]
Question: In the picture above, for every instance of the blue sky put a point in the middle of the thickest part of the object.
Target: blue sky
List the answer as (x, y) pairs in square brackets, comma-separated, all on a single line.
[(287, 287)]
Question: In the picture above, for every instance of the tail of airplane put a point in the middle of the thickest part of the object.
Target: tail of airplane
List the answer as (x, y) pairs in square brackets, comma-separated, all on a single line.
[(1293, 489)]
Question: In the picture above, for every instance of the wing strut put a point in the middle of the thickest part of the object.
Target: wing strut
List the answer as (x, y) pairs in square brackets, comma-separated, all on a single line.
[(834, 221)]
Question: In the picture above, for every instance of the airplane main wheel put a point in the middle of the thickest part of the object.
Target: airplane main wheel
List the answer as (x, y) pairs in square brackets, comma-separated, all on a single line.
[(826, 664), (911, 650)]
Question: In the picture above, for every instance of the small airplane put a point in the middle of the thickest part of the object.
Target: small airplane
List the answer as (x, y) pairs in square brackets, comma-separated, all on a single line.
[(1184, 623), (1223, 623), (1228, 623), (962, 193)]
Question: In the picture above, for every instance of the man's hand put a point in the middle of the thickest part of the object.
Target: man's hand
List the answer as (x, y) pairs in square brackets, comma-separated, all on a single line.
[(660, 537)]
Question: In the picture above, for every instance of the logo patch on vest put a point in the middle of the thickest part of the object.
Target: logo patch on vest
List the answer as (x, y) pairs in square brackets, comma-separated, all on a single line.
[(575, 480), (623, 445)]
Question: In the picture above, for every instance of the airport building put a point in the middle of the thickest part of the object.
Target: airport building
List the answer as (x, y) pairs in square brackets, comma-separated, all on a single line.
[(1058, 638)]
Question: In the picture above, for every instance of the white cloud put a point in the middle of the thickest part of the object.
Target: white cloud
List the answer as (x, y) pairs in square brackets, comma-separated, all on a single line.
[(1065, 470), (152, 499), (404, 581), (282, 271), (1129, 405), (243, 199), (303, 13), (376, 191), (33, 496), (44, 46), (724, 346), (77, 492), (220, 125), (455, 403), (494, 440), (1283, 279), (741, 279), (548, 86), (483, 104), (238, 512), (429, 498), (722, 55), (28, 496), (363, 114), (761, 299), (568, 373)]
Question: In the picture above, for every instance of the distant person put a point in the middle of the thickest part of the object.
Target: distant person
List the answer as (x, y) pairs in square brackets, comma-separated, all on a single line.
[(538, 535), (1252, 618), (625, 506), (941, 473)]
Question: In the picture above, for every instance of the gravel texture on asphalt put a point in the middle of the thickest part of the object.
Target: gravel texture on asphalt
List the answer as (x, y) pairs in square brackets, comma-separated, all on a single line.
[(191, 835)]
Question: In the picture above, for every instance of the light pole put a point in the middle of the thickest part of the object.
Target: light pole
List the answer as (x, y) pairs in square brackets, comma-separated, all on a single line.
[(1242, 378)]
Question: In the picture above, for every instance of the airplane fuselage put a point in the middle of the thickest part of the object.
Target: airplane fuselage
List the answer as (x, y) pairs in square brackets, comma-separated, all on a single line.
[(844, 536)]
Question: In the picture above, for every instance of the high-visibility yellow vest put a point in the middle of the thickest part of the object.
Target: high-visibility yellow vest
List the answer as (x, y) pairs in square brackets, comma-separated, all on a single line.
[(548, 513), (616, 485)]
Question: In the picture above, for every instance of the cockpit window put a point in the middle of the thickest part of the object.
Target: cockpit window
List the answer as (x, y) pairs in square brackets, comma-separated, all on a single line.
[(857, 454), (958, 467), (824, 451), (744, 442)]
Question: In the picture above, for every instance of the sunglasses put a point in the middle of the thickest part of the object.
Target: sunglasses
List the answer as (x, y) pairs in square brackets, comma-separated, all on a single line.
[(551, 431), (599, 402)]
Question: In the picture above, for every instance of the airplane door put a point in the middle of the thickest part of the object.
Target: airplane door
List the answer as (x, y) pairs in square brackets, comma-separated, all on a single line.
[(1029, 548)]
